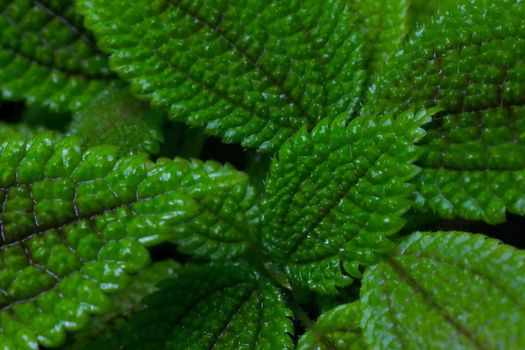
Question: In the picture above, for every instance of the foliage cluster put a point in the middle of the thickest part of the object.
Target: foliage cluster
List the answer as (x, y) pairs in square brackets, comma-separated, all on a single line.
[(365, 124)]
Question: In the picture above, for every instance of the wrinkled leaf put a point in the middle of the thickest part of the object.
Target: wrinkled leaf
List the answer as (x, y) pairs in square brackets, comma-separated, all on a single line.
[(446, 290), (251, 71), (335, 196), (74, 224), (470, 63), (47, 58), (210, 307)]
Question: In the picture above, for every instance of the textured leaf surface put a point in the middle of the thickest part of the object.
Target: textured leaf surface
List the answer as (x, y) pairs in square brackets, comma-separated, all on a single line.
[(73, 225), (124, 303), (46, 57), (469, 62), (210, 307), (334, 196), (115, 117), (446, 290), (336, 329), (384, 24), (421, 11), (250, 71)]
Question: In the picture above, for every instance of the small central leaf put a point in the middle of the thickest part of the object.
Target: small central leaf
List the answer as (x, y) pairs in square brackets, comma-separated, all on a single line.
[(336, 329), (335, 195), (115, 117)]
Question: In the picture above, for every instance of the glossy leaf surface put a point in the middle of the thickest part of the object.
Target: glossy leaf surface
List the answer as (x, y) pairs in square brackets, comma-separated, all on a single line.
[(384, 24), (336, 329), (251, 71), (469, 62), (336, 195), (47, 58), (124, 303), (74, 224)]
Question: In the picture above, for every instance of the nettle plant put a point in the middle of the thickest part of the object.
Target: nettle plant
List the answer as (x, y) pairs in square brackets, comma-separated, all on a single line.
[(363, 122)]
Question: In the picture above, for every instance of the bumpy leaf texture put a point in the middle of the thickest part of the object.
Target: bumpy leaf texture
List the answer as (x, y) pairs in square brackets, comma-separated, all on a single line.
[(251, 71), (210, 307), (124, 303), (335, 195), (469, 62), (384, 24), (446, 290), (115, 117), (46, 57), (74, 224), (421, 11), (336, 329)]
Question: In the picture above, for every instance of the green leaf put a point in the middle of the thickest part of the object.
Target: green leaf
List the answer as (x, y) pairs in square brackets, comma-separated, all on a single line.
[(336, 329), (12, 130), (384, 24), (143, 284), (211, 307), (115, 117), (336, 195), (421, 11), (251, 71), (125, 302), (46, 57), (446, 290), (74, 222), (469, 62)]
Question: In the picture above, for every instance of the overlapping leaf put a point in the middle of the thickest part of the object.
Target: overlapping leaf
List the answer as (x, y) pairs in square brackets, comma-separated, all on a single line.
[(446, 290), (336, 329), (46, 56), (114, 117), (124, 303), (209, 307), (74, 222), (469, 62), (335, 195), (250, 71)]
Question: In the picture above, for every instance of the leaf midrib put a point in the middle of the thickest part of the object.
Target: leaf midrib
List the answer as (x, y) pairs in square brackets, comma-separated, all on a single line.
[(253, 62), (78, 32), (429, 299)]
